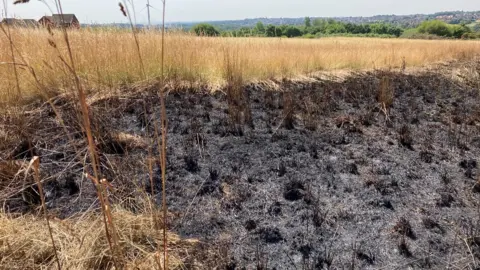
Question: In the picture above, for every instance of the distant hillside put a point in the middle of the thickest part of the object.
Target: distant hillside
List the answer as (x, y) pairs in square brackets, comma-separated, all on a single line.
[(407, 21)]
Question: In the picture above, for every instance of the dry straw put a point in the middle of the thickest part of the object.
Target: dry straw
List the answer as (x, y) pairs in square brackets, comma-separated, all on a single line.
[(81, 242), (107, 58)]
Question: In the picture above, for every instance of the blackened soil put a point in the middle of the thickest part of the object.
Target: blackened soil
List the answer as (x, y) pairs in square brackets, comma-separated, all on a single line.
[(347, 184)]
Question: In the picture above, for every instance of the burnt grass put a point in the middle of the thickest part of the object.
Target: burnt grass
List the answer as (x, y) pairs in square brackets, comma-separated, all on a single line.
[(333, 181)]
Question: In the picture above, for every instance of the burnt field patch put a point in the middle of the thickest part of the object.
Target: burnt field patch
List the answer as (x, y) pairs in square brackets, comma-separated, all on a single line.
[(376, 170)]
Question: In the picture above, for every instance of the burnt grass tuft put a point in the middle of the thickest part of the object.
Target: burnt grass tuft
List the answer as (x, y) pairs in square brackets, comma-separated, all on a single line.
[(250, 225), (426, 156), (468, 166), (24, 150), (71, 185), (294, 191), (213, 175), (405, 137), (286, 178), (445, 200), (429, 223), (282, 169), (270, 235), (404, 228), (476, 187), (191, 164), (368, 258), (404, 249)]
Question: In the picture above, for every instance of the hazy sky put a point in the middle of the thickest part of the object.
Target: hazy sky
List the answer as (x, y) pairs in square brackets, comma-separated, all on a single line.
[(106, 11)]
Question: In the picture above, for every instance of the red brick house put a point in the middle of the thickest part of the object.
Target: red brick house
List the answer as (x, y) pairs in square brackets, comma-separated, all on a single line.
[(59, 20)]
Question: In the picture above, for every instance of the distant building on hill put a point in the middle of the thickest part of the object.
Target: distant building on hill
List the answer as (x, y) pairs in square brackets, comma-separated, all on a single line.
[(59, 20), (20, 22)]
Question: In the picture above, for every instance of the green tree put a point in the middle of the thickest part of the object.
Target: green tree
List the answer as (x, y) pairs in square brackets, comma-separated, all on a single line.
[(245, 32), (386, 29), (458, 31), (282, 30), (351, 28), (273, 31), (308, 22), (435, 27), (319, 26), (334, 27), (260, 28), (379, 28), (363, 29), (476, 27), (292, 31), (205, 29), (319, 22)]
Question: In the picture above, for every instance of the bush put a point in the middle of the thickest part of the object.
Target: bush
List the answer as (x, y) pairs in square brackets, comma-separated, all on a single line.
[(414, 34), (435, 27), (335, 28), (443, 29), (205, 29), (310, 36), (292, 31), (409, 33), (476, 27), (369, 35), (259, 29), (471, 36), (424, 36), (457, 31), (273, 31)]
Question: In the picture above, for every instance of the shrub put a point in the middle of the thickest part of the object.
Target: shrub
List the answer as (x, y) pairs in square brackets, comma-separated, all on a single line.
[(310, 36), (205, 29), (476, 27), (259, 28), (435, 27), (409, 33), (273, 31), (457, 31), (470, 36), (292, 31)]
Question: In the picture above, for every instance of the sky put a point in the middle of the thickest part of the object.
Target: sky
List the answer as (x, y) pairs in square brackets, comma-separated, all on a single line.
[(107, 11)]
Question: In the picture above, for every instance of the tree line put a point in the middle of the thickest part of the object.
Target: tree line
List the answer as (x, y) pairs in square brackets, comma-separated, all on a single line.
[(315, 28), (322, 27)]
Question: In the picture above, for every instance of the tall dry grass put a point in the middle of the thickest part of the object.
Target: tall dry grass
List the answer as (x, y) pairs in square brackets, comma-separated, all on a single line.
[(81, 242), (65, 61), (107, 58)]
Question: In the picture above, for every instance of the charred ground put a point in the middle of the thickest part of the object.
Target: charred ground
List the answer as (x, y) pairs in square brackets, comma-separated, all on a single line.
[(374, 170)]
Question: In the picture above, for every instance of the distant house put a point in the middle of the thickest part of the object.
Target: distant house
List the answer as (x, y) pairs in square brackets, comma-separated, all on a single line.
[(59, 20), (20, 22)]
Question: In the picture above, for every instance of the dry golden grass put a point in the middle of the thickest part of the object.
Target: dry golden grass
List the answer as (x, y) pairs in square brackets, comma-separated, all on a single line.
[(107, 58), (81, 242)]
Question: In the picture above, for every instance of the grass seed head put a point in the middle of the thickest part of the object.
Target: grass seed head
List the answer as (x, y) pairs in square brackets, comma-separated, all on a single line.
[(122, 9), (20, 2)]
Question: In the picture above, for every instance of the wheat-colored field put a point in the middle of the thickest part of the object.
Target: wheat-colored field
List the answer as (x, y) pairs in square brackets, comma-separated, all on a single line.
[(107, 58)]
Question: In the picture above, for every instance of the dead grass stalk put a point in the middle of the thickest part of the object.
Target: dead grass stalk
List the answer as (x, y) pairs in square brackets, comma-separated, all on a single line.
[(36, 168)]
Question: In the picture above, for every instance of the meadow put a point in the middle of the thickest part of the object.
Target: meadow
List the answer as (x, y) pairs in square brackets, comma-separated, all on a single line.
[(249, 173), (108, 58)]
